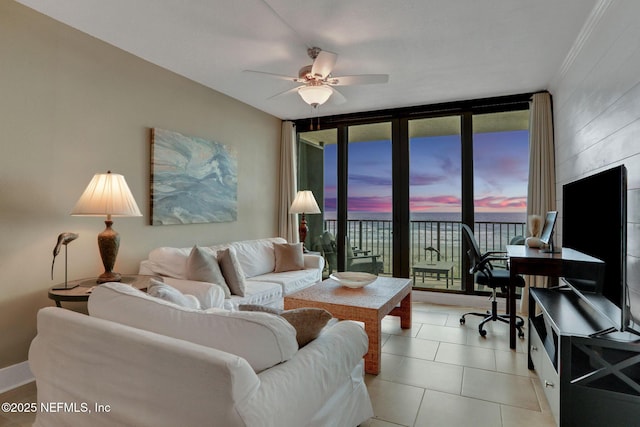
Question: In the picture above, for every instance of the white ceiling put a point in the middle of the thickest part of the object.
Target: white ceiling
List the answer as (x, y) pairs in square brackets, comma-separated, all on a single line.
[(433, 50)]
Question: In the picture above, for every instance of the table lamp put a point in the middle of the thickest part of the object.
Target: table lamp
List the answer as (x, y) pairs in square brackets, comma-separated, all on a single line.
[(304, 203), (107, 194)]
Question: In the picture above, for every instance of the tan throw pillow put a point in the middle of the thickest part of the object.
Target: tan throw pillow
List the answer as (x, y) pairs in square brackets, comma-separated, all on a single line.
[(232, 270), (203, 267), (308, 322), (289, 257)]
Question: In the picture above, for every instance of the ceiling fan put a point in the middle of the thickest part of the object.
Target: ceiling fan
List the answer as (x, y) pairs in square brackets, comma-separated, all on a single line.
[(318, 82)]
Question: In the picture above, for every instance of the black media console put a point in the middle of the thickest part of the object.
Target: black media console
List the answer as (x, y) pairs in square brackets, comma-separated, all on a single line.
[(591, 377)]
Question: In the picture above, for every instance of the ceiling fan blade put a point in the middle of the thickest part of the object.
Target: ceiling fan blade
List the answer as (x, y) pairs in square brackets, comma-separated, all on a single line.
[(337, 98), (361, 79), (286, 92), (323, 64), (277, 76)]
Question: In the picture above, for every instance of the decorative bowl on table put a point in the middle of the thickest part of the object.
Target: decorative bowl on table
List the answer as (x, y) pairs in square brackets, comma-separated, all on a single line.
[(353, 279)]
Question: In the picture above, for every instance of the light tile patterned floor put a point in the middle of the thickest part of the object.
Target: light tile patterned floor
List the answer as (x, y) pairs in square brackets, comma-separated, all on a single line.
[(440, 373)]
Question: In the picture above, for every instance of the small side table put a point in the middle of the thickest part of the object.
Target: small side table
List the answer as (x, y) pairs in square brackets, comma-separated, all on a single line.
[(85, 286), (436, 267)]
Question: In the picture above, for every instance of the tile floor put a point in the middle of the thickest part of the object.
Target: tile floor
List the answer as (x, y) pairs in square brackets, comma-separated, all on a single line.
[(437, 373)]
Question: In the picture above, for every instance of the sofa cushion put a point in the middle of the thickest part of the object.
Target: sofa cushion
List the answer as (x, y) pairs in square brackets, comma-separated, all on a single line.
[(169, 293), (262, 339), (290, 281), (265, 293), (289, 257), (257, 256), (170, 262), (308, 322), (232, 270), (202, 265)]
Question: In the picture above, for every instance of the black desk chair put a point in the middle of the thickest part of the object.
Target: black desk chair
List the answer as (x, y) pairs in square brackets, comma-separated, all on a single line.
[(492, 278)]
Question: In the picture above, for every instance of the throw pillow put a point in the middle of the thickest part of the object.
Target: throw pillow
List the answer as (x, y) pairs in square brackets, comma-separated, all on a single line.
[(168, 293), (232, 271), (289, 257), (308, 322), (203, 267)]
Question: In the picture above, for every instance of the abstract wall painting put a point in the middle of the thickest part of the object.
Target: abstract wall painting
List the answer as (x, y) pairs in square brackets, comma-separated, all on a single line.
[(193, 180)]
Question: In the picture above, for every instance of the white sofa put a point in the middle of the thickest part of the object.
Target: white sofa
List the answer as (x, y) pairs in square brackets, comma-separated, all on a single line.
[(257, 259), (154, 363)]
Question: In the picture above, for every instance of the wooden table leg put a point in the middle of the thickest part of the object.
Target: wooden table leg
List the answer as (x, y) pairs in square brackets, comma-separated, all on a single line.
[(373, 358), (405, 312)]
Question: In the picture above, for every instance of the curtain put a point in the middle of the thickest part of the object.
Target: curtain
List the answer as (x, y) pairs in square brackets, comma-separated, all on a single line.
[(287, 223), (541, 195)]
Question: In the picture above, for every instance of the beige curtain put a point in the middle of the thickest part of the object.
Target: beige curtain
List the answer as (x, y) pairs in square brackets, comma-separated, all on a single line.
[(541, 196), (287, 223)]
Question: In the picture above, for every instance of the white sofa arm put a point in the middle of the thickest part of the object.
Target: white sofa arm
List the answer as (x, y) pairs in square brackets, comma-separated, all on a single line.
[(314, 372), (209, 294), (161, 381), (314, 261)]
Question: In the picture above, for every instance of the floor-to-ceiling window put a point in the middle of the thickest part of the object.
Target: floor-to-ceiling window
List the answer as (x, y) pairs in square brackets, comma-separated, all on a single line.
[(398, 184), (435, 201), (500, 171), (369, 239)]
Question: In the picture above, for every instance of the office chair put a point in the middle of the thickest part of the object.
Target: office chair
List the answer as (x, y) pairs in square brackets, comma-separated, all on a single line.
[(492, 278)]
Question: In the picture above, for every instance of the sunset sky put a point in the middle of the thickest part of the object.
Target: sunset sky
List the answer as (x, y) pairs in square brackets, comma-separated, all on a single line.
[(500, 164)]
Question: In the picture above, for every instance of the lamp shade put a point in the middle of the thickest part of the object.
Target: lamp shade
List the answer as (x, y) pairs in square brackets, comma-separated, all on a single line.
[(304, 203), (107, 194), (315, 95)]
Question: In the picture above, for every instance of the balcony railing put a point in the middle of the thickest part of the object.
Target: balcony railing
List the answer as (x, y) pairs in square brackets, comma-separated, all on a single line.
[(445, 236)]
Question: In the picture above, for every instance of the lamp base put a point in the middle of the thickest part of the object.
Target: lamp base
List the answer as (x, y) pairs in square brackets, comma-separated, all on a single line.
[(109, 276), (109, 243), (63, 287)]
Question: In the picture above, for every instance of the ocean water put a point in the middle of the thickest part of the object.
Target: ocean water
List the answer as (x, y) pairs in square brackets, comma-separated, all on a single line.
[(436, 216)]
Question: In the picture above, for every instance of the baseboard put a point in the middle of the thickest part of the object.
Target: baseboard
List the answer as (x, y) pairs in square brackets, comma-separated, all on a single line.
[(14, 376)]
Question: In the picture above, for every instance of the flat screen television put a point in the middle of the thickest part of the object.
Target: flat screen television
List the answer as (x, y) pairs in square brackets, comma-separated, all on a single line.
[(594, 221)]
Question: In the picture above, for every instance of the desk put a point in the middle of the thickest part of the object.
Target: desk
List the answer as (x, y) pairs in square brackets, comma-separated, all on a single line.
[(567, 263)]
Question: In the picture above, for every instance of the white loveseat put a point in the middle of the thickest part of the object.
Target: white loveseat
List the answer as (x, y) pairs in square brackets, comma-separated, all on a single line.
[(148, 362), (257, 260)]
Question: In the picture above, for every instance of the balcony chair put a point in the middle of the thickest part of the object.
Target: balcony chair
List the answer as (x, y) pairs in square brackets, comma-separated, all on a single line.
[(492, 278), (326, 245), (361, 261)]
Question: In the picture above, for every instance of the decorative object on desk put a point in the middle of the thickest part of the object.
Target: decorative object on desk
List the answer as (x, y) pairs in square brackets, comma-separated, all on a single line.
[(546, 236), (63, 240), (535, 227), (304, 203), (193, 180), (353, 279), (107, 194)]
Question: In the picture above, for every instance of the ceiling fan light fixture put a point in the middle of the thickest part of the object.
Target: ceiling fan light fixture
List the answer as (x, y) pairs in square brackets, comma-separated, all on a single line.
[(315, 95)]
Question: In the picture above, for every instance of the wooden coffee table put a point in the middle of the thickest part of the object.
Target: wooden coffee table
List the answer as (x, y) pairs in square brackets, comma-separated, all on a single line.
[(369, 305)]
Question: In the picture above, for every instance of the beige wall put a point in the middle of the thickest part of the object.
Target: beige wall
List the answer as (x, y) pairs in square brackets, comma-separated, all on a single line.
[(72, 106), (597, 114)]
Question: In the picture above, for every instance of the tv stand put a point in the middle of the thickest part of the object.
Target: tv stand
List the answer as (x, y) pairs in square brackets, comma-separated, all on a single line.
[(590, 375)]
